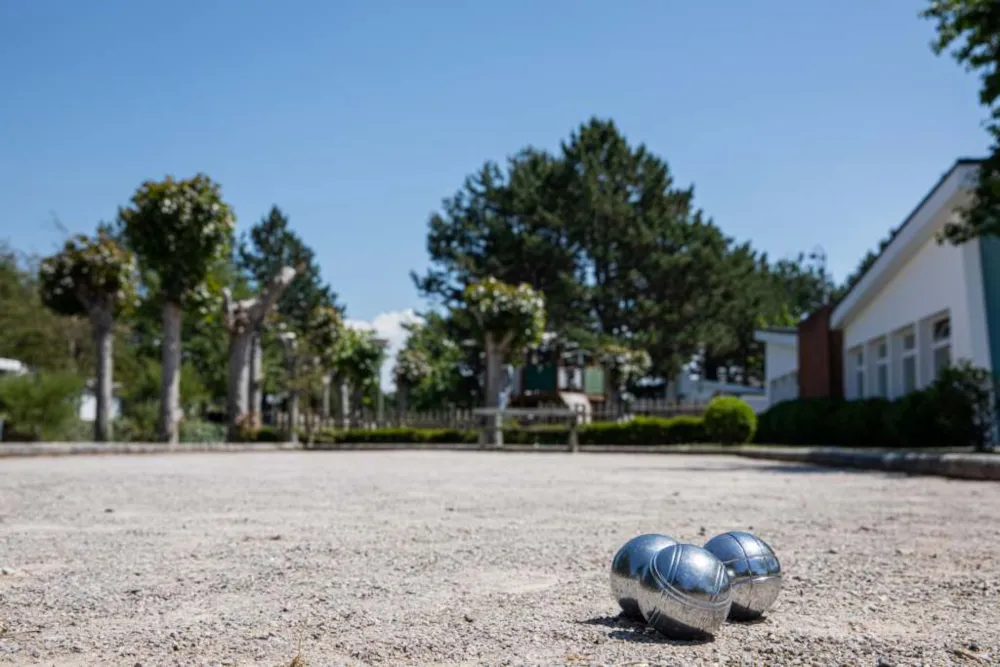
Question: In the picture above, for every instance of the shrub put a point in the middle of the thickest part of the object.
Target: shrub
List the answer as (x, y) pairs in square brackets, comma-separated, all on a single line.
[(196, 430), (730, 420), (639, 431), (957, 410), (41, 406)]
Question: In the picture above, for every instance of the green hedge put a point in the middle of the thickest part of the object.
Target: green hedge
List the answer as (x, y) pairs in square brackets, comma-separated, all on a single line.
[(730, 420), (639, 431), (956, 411)]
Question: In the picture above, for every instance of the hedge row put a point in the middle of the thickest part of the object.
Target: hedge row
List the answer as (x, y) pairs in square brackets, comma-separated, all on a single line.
[(955, 411), (639, 431)]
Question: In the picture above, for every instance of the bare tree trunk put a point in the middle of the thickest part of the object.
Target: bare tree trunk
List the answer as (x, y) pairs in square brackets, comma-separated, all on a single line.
[(243, 320), (238, 394), (494, 386), (325, 406), (345, 403), (293, 415), (402, 398), (357, 406), (255, 399), (170, 399), (104, 340)]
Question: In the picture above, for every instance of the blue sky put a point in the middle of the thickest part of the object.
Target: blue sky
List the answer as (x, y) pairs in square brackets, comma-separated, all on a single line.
[(799, 123)]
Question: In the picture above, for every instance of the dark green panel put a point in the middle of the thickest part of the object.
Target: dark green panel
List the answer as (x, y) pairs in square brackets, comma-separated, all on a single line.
[(989, 249), (539, 378)]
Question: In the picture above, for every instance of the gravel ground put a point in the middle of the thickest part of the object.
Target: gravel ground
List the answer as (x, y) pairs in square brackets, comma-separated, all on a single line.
[(394, 558)]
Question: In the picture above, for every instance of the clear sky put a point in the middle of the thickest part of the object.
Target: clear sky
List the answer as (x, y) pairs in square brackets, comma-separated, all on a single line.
[(800, 123)]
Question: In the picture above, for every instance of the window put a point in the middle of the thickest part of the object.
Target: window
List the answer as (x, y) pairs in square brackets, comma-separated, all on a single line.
[(882, 367), (941, 344), (858, 359), (908, 361)]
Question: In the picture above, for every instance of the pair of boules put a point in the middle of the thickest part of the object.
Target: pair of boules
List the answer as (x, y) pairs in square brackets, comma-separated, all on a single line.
[(687, 592)]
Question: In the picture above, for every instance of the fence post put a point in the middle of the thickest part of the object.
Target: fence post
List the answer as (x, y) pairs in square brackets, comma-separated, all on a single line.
[(574, 440)]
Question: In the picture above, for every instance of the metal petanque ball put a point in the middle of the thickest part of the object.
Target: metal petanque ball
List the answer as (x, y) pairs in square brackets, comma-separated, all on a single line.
[(753, 569), (685, 592), (628, 565)]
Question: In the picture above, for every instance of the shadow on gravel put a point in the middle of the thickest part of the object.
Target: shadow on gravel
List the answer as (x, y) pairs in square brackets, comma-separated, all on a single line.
[(628, 630)]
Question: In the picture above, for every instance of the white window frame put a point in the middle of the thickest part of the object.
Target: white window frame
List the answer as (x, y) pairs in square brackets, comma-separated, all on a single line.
[(908, 353), (859, 380), (882, 361), (937, 344)]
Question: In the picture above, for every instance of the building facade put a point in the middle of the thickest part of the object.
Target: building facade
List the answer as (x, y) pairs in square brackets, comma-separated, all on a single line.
[(921, 306)]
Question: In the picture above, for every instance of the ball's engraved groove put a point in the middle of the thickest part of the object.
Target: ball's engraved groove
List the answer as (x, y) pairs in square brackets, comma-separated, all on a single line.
[(684, 592), (753, 569), (629, 564)]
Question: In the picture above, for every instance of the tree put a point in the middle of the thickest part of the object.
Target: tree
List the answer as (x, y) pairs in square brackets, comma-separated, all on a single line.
[(359, 360), (624, 366), (412, 368), (508, 319), (972, 27), (324, 339), (178, 229), (454, 363), (270, 245), (243, 318), (96, 277)]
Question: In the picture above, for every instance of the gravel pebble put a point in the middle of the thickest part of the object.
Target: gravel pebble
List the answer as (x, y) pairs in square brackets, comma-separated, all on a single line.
[(389, 558)]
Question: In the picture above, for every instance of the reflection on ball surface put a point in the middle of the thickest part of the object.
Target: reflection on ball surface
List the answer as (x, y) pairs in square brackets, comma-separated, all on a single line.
[(684, 592), (628, 565), (753, 569)]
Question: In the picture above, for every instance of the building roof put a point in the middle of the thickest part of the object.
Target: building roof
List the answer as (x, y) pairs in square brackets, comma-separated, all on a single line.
[(904, 239), (777, 335)]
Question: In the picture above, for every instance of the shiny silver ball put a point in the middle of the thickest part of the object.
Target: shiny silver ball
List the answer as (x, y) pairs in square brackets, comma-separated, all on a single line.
[(684, 592), (628, 565), (753, 569)]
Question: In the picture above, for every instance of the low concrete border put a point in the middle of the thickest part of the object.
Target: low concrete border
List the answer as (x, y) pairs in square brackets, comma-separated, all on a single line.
[(946, 464), (15, 449)]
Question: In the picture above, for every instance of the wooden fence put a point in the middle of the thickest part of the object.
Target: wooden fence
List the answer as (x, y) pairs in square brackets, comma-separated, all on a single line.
[(466, 419)]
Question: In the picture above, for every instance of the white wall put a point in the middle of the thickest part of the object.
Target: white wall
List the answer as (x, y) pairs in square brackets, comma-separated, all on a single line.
[(936, 280), (780, 360)]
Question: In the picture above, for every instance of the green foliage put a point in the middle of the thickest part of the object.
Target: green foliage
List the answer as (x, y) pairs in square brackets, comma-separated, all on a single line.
[(33, 333), (640, 431), (957, 410), (453, 367), (412, 367), (513, 314), (40, 406), (202, 431), (730, 420), (141, 392), (179, 229), (270, 245), (972, 28), (360, 356), (625, 364), (325, 334), (88, 273)]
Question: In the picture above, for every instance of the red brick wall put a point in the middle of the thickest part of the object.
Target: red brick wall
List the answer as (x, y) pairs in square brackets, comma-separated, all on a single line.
[(821, 365)]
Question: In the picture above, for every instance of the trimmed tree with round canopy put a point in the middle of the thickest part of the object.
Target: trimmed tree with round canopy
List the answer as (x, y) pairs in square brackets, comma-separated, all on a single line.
[(412, 368), (508, 319), (625, 365), (179, 229), (94, 277)]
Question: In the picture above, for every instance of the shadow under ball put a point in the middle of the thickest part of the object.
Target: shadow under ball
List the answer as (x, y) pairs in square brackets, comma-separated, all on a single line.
[(685, 593), (628, 565), (753, 569)]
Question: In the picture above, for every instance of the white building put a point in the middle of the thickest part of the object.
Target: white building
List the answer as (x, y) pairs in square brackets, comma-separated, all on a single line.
[(781, 363), (921, 306)]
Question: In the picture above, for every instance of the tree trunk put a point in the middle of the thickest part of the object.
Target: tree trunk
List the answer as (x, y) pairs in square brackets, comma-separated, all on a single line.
[(325, 406), (293, 415), (494, 371), (238, 394), (104, 339), (357, 407), (345, 404), (402, 398), (170, 399), (255, 398), (494, 386)]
